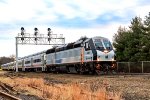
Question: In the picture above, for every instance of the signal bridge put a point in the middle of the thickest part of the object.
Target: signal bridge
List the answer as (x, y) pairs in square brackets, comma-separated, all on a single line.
[(40, 39), (37, 39)]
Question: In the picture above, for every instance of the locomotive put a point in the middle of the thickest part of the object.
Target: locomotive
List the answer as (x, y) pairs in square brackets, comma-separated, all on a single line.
[(86, 55)]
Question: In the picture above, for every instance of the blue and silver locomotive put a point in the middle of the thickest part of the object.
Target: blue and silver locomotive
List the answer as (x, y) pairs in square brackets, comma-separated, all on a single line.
[(87, 55)]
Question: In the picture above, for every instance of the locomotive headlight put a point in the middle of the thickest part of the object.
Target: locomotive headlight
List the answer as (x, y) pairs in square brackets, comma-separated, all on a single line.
[(113, 65), (105, 51), (112, 59), (98, 58)]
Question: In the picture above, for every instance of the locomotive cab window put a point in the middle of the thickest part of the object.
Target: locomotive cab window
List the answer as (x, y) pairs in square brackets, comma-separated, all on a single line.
[(107, 44), (87, 47), (98, 44)]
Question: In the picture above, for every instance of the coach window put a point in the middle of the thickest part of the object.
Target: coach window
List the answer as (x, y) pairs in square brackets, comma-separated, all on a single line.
[(38, 60), (19, 63), (27, 62)]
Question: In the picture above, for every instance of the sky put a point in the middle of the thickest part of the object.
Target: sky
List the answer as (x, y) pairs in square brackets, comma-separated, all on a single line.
[(72, 18)]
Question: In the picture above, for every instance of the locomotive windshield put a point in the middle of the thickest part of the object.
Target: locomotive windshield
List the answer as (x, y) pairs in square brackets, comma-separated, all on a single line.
[(107, 44), (101, 44)]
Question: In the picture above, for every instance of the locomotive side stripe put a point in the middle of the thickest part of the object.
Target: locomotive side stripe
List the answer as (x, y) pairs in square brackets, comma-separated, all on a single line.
[(76, 62)]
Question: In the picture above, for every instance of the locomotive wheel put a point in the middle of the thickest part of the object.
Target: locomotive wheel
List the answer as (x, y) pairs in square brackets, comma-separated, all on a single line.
[(98, 69), (85, 70), (53, 69), (98, 72), (77, 69), (67, 68), (113, 72), (92, 72), (106, 69), (48, 69), (82, 70)]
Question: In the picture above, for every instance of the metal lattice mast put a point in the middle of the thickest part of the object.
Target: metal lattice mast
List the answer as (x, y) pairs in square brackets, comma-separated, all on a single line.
[(37, 39)]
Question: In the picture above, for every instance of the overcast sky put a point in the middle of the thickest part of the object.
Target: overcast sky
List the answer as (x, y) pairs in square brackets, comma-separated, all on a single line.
[(72, 18)]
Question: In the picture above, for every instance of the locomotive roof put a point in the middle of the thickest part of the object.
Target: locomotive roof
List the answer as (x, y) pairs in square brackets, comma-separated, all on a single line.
[(99, 37), (67, 46)]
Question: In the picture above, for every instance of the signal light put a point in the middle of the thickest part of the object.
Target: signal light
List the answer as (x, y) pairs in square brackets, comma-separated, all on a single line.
[(35, 39), (49, 31), (36, 31), (22, 30), (49, 39), (22, 39)]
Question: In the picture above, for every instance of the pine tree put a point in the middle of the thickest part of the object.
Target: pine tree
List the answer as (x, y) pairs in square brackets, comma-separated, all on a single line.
[(133, 44), (136, 35), (146, 37)]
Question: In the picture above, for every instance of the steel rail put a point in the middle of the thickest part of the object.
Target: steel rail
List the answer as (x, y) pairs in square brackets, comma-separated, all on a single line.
[(8, 96)]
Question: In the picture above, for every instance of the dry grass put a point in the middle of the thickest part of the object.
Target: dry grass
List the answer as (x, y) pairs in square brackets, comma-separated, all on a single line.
[(71, 91), (79, 87)]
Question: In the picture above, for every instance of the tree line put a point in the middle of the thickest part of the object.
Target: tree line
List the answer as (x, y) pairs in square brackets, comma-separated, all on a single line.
[(4, 60), (133, 43)]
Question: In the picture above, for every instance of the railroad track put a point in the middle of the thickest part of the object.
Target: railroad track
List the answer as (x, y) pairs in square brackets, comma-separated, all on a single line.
[(5, 96)]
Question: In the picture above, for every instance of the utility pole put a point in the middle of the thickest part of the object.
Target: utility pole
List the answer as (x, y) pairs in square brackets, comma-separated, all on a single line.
[(16, 55), (37, 39)]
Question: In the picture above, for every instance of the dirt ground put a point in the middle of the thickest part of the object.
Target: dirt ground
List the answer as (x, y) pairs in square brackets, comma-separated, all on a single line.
[(48, 86)]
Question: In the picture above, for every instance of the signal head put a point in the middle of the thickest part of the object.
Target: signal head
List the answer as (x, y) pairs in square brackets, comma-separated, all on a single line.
[(49, 29), (35, 39), (22, 28), (35, 29), (22, 31)]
